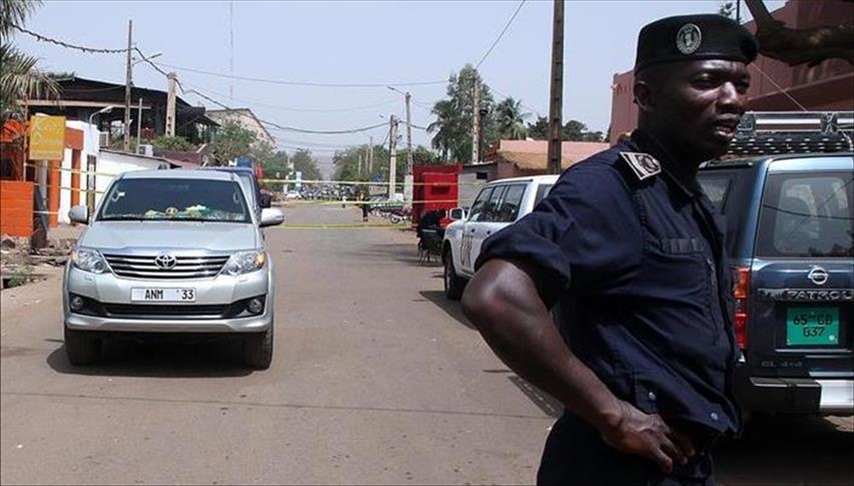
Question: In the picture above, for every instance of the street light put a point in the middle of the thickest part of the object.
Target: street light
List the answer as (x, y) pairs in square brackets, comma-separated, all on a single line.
[(103, 110)]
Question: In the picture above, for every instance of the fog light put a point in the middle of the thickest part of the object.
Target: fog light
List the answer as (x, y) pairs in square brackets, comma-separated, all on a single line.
[(255, 306), (76, 303)]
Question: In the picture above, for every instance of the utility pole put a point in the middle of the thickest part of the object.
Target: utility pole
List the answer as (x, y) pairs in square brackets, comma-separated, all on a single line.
[(359, 172), (392, 167), (475, 131), (231, 50), (371, 159), (139, 126), (408, 136), (128, 81), (170, 105), (556, 99)]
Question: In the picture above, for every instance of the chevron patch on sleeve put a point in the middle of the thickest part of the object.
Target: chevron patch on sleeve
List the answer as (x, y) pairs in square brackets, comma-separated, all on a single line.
[(643, 165)]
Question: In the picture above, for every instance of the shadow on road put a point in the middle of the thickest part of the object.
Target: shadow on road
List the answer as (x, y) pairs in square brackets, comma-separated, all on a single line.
[(450, 307), (785, 450), (161, 359)]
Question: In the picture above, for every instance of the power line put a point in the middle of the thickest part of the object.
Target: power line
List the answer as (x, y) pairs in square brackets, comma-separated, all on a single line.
[(300, 83), (290, 129), (509, 22), (298, 110), (66, 44)]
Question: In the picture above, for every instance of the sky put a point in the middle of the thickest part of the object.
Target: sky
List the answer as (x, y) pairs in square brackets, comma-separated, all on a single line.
[(383, 43)]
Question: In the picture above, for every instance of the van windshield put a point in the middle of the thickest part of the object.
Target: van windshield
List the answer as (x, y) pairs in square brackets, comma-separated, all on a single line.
[(175, 199)]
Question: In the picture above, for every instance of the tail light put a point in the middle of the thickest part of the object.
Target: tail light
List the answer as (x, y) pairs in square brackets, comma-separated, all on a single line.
[(741, 292)]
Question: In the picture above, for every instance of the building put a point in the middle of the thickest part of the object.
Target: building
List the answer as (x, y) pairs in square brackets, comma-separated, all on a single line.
[(82, 98), (775, 86), (245, 118), (517, 158)]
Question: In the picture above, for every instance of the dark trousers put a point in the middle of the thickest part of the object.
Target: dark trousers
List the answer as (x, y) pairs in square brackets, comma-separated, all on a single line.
[(575, 454)]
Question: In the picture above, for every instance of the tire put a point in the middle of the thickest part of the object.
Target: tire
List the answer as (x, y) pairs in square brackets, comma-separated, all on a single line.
[(258, 349), (454, 284), (82, 347)]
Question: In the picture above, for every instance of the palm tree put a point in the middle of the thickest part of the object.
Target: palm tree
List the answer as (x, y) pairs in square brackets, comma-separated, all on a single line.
[(511, 120), (443, 140), (19, 78)]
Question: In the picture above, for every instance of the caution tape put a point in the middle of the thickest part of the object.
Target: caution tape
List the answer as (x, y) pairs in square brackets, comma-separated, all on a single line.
[(73, 171)]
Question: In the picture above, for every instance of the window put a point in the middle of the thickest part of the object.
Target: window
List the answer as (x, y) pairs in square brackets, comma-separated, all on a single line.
[(490, 208), (175, 199), (805, 215), (542, 191), (716, 187), (476, 212), (508, 210)]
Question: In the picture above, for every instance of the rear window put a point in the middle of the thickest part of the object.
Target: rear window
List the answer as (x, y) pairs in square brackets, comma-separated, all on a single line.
[(542, 192), (716, 187), (807, 215)]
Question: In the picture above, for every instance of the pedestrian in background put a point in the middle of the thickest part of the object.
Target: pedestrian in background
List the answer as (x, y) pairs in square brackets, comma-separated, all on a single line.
[(627, 252)]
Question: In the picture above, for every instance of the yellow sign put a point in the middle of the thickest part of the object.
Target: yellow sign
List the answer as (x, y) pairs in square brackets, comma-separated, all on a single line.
[(47, 137)]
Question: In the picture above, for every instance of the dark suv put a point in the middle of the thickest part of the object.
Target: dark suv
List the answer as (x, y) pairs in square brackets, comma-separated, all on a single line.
[(790, 238)]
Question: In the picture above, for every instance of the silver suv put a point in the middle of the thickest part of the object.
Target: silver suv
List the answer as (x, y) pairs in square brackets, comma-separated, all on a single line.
[(171, 251)]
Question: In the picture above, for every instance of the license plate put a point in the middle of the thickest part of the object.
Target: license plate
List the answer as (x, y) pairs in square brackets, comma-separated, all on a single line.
[(163, 295), (812, 326)]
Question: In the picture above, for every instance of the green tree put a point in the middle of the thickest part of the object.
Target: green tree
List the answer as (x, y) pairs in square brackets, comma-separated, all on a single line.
[(539, 130), (306, 163), (454, 116), (19, 78), (232, 141), (510, 120), (165, 142)]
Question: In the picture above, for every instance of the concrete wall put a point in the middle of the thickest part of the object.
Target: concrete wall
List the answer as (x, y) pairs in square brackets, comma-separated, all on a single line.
[(90, 147), (16, 208)]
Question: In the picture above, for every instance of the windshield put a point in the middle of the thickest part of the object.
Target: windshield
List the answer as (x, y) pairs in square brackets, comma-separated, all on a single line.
[(175, 199)]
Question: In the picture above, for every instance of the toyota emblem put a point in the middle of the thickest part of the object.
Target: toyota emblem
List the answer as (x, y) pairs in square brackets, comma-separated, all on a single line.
[(818, 275), (165, 261)]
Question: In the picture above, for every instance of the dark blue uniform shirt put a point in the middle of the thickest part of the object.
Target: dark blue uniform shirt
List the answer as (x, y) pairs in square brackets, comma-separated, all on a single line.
[(637, 267)]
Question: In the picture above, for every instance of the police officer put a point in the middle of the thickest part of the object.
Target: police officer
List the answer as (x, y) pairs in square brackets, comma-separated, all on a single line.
[(627, 252)]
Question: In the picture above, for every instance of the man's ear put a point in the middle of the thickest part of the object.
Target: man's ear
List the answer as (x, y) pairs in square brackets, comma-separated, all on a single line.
[(644, 95)]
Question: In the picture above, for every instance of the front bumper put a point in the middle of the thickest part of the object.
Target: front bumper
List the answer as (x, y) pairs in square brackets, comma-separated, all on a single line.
[(108, 290), (794, 395)]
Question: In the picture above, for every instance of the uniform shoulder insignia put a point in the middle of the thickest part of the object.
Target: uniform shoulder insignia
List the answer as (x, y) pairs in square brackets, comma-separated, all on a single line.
[(643, 165)]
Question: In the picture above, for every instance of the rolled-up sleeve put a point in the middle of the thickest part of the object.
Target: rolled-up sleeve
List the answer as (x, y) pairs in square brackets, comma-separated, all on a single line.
[(586, 234)]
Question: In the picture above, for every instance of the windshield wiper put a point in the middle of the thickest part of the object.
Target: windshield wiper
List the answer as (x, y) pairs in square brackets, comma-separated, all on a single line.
[(122, 217)]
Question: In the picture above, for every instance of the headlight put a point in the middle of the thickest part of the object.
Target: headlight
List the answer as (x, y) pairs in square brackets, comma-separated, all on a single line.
[(88, 260), (244, 262)]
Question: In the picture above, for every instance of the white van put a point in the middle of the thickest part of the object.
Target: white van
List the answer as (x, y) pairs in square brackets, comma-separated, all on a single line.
[(498, 204)]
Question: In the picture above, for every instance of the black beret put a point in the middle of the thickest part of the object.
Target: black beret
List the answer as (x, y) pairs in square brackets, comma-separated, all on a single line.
[(692, 38)]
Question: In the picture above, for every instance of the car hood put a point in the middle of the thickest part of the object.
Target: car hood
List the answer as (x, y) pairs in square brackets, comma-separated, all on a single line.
[(116, 235)]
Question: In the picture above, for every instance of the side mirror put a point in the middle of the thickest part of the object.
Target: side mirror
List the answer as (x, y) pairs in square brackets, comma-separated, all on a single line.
[(271, 217), (266, 200), (79, 214), (457, 214)]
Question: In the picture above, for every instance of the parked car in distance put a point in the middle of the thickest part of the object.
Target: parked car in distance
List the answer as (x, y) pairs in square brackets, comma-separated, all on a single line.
[(790, 239), (498, 204), (258, 200), (171, 252)]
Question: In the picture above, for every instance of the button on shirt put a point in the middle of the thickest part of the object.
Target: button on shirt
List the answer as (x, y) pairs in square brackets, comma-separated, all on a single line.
[(637, 268)]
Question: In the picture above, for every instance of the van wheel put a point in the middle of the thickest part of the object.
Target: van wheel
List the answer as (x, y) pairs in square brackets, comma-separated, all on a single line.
[(454, 284), (258, 349), (82, 347)]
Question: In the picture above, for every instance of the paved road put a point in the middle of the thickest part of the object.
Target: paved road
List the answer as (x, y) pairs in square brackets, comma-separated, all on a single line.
[(376, 380)]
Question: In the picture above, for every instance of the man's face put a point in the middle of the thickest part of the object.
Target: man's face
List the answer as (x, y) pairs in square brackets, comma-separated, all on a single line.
[(698, 105)]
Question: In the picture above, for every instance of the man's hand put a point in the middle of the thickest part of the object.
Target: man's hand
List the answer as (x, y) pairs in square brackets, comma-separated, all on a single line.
[(648, 436)]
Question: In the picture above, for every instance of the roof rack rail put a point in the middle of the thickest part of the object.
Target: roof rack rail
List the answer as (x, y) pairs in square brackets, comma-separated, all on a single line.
[(785, 132)]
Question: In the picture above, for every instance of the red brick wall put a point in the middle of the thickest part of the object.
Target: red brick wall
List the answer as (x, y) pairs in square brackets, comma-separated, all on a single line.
[(16, 208)]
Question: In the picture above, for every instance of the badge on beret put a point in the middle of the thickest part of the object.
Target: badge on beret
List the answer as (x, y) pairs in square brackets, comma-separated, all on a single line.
[(688, 39), (643, 165)]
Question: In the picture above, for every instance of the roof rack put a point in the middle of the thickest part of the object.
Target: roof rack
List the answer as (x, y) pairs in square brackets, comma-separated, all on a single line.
[(785, 132)]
